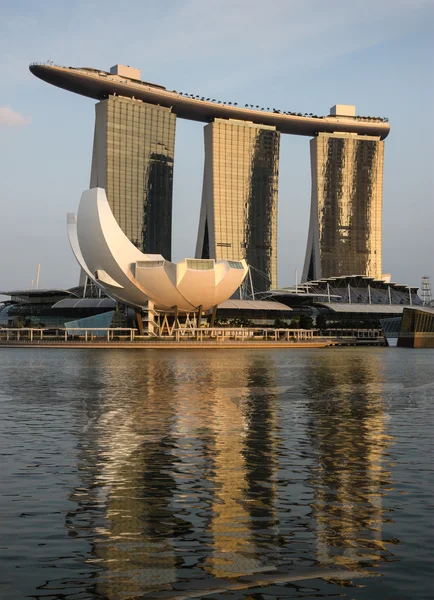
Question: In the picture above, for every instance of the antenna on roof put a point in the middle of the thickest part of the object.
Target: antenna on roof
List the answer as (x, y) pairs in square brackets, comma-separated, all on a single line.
[(38, 271)]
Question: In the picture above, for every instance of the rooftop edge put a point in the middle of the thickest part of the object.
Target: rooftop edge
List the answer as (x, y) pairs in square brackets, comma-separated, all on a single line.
[(98, 84)]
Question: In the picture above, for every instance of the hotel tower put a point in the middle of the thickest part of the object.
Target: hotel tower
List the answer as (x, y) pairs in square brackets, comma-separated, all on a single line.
[(238, 217), (346, 207), (132, 159)]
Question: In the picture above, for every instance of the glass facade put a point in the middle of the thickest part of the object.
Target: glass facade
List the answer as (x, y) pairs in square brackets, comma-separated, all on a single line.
[(37, 313), (132, 160), (99, 321), (200, 265), (239, 199), (345, 236)]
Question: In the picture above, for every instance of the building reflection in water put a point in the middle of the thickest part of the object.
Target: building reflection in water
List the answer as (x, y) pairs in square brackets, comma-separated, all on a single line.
[(127, 462), (347, 430), (243, 504), (204, 466), (177, 471)]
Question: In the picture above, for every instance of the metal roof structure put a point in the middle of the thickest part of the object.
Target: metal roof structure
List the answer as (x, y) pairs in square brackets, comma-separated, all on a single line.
[(85, 303), (299, 293), (99, 84), (253, 305), (341, 307), (363, 280), (38, 293)]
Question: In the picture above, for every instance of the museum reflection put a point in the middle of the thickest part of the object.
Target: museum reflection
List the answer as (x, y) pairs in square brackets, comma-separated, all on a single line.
[(127, 465), (172, 459), (347, 429)]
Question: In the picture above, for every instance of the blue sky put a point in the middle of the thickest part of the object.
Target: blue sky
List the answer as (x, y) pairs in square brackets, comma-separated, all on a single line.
[(303, 55)]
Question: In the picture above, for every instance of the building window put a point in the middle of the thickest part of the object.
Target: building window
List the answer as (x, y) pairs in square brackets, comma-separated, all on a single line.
[(235, 264), (200, 264)]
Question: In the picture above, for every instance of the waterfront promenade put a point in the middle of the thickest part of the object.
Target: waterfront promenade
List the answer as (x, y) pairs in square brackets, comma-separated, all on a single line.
[(163, 344), (192, 338), (219, 337)]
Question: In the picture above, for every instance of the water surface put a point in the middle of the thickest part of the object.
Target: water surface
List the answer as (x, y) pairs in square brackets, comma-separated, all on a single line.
[(152, 473)]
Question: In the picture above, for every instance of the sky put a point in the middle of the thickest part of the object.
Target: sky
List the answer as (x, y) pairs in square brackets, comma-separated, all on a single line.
[(295, 55)]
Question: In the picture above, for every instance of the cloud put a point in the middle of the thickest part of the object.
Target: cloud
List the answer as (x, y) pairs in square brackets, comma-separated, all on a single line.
[(11, 118), (216, 40)]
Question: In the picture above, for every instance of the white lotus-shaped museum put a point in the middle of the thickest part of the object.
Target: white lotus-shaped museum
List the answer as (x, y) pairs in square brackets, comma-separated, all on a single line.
[(123, 272)]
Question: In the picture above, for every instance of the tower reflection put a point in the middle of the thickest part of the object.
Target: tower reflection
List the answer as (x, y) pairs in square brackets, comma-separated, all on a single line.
[(127, 464), (243, 517), (347, 431), (177, 466)]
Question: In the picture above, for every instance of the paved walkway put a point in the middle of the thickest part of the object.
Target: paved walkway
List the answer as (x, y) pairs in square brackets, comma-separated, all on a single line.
[(166, 345)]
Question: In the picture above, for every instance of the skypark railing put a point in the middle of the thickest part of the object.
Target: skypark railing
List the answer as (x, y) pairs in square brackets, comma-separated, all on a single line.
[(98, 73)]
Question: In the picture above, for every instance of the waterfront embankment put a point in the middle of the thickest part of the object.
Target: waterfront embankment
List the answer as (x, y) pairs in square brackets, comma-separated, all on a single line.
[(227, 338), (166, 345)]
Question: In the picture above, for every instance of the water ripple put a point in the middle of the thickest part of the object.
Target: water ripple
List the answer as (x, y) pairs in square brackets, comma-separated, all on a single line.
[(247, 474)]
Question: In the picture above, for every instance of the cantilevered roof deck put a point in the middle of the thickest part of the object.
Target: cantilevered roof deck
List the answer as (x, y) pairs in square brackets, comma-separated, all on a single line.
[(234, 304), (100, 84), (341, 307), (38, 293)]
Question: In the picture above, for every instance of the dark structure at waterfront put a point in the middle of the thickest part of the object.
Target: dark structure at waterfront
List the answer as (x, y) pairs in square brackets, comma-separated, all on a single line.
[(62, 308), (417, 328), (58, 308), (353, 301), (333, 303)]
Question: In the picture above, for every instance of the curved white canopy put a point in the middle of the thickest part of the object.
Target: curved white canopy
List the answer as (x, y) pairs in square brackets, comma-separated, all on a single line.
[(126, 274)]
